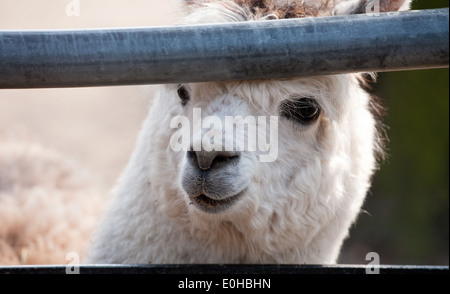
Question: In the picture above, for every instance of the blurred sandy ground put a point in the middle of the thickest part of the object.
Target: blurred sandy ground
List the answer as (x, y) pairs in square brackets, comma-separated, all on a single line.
[(97, 127)]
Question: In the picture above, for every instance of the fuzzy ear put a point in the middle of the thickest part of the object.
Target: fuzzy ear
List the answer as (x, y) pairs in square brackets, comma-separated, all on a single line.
[(345, 7)]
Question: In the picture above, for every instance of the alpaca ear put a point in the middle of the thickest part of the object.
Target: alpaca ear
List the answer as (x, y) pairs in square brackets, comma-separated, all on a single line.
[(345, 7)]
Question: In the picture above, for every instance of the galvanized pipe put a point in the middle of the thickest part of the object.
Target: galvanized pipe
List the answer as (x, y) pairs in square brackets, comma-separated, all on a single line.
[(249, 50)]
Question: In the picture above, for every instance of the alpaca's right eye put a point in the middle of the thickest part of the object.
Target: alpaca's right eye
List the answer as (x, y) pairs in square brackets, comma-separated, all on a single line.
[(183, 94)]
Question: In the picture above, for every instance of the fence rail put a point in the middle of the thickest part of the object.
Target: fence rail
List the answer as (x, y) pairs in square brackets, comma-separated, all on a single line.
[(223, 269), (247, 50)]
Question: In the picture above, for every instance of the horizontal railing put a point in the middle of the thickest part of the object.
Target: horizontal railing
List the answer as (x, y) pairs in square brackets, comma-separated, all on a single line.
[(223, 269), (246, 50)]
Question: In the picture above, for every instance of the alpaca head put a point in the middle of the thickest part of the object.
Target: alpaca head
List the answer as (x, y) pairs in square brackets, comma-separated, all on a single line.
[(281, 160)]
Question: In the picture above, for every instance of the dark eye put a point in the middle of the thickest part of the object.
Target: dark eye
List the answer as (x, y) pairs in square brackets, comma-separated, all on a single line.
[(183, 94), (302, 110)]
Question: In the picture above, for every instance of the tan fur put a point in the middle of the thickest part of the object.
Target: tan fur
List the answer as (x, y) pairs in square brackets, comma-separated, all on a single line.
[(48, 206), (279, 9)]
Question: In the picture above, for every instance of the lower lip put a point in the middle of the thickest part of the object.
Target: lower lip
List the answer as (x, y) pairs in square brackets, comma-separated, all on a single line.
[(210, 205)]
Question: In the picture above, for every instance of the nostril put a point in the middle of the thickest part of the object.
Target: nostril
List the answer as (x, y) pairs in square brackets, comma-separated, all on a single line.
[(221, 158), (205, 160), (192, 155), (225, 158)]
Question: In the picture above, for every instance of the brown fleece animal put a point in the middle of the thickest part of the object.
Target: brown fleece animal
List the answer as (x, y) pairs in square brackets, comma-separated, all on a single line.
[(48, 206)]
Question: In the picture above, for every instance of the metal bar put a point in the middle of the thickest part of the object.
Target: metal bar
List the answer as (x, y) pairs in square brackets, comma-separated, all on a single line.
[(247, 50), (224, 269)]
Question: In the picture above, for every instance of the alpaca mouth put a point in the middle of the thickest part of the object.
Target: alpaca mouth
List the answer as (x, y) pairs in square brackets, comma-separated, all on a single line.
[(210, 205)]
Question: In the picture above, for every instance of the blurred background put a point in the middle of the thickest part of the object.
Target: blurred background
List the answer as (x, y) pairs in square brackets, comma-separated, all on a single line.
[(406, 218), (406, 215)]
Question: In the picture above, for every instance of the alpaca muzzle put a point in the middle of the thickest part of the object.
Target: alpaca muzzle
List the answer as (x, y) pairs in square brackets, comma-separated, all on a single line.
[(212, 179)]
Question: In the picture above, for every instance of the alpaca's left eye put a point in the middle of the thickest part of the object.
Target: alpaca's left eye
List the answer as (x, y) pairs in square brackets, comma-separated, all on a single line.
[(183, 94), (303, 110)]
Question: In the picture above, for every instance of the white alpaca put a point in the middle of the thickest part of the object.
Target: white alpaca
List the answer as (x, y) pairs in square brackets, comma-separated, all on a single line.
[(228, 207)]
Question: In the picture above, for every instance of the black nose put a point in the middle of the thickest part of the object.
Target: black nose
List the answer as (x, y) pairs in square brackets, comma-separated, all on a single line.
[(205, 160)]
